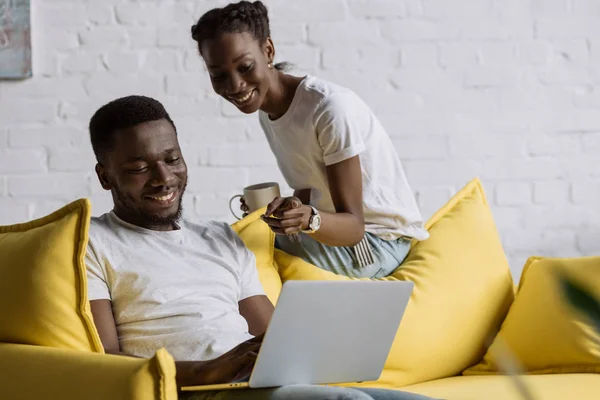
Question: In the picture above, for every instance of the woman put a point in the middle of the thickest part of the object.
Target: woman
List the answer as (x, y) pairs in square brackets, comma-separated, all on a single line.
[(353, 212)]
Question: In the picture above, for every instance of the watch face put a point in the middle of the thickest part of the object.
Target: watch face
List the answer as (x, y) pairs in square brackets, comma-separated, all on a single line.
[(316, 222)]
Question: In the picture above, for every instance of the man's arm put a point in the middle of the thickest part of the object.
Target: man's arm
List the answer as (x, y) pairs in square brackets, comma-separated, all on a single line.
[(105, 324), (231, 366), (107, 329), (257, 310)]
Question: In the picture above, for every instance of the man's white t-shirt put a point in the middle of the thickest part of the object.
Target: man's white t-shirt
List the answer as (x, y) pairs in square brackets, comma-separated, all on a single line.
[(327, 124), (174, 289)]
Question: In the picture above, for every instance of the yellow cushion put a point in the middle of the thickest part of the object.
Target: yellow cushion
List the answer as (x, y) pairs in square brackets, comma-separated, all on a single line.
[(463, 289), (257, 236), (541, 329), (542, 387), (34, 372), (43, 286)]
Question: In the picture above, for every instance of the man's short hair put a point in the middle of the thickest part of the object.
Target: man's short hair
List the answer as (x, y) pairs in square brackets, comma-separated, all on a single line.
[(122, 113)]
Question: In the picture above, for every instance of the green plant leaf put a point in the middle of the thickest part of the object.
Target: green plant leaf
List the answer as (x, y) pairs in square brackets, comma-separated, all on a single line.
[(510, 365), (582, 300)]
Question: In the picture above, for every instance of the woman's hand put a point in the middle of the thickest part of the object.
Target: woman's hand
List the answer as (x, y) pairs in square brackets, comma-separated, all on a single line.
[(244, 207), (289, 215)]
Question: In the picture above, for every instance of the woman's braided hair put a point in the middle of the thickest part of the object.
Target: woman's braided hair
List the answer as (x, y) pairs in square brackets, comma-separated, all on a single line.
[(244, 16)]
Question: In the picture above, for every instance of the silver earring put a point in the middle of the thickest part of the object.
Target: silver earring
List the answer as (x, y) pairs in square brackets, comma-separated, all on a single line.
[(270, 65)]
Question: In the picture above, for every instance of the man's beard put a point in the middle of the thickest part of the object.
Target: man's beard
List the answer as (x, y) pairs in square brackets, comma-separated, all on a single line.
[(141, 215)]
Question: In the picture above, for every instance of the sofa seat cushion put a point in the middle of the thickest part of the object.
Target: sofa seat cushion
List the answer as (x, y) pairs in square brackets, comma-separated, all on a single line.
[(542, 387)]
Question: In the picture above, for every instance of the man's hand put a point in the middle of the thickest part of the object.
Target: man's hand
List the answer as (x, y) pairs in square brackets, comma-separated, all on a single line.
[(234, 365)]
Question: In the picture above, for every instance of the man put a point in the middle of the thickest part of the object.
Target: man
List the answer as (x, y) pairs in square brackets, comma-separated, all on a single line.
[(157, 280)]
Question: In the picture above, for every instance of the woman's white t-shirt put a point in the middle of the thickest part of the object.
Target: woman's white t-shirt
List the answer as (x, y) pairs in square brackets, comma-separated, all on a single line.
[(327, 124)]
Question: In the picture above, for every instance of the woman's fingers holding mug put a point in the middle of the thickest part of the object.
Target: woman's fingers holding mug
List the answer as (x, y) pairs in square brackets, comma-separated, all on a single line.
[(243, 206)]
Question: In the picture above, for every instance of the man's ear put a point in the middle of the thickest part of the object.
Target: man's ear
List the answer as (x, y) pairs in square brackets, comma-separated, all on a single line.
[(103, 177)]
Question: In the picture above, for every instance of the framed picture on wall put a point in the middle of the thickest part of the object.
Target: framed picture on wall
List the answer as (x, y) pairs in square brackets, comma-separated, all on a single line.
[(15, 39)]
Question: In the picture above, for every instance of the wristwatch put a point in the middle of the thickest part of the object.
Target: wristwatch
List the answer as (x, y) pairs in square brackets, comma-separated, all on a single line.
[(314, 223)]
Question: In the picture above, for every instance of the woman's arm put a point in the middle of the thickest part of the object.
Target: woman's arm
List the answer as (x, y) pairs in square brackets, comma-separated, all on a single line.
[(345, 227), (303, 195)]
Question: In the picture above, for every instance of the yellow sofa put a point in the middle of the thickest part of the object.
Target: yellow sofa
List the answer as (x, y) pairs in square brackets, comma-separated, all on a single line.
[(464, 310)]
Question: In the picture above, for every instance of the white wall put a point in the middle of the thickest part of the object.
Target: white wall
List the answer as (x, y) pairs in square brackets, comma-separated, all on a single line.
[(507, 90)]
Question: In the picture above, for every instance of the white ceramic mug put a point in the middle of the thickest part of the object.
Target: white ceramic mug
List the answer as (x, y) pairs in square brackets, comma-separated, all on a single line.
[(257, 196)]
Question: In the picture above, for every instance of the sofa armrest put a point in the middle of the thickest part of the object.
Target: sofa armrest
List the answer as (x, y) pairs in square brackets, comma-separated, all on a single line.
[(34, 372)]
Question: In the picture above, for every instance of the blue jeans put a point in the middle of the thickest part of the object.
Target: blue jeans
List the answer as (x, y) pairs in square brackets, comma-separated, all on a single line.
[(304, 392), (388, 254)]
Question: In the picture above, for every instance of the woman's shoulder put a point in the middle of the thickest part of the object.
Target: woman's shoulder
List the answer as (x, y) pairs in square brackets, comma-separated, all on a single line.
[(334, 98), (326, 89)]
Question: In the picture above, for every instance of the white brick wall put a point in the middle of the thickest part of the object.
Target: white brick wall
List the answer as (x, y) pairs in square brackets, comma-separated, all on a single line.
[(508, 90)]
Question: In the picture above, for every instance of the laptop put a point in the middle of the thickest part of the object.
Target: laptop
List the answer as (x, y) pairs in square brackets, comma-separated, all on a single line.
[(327, 332)]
